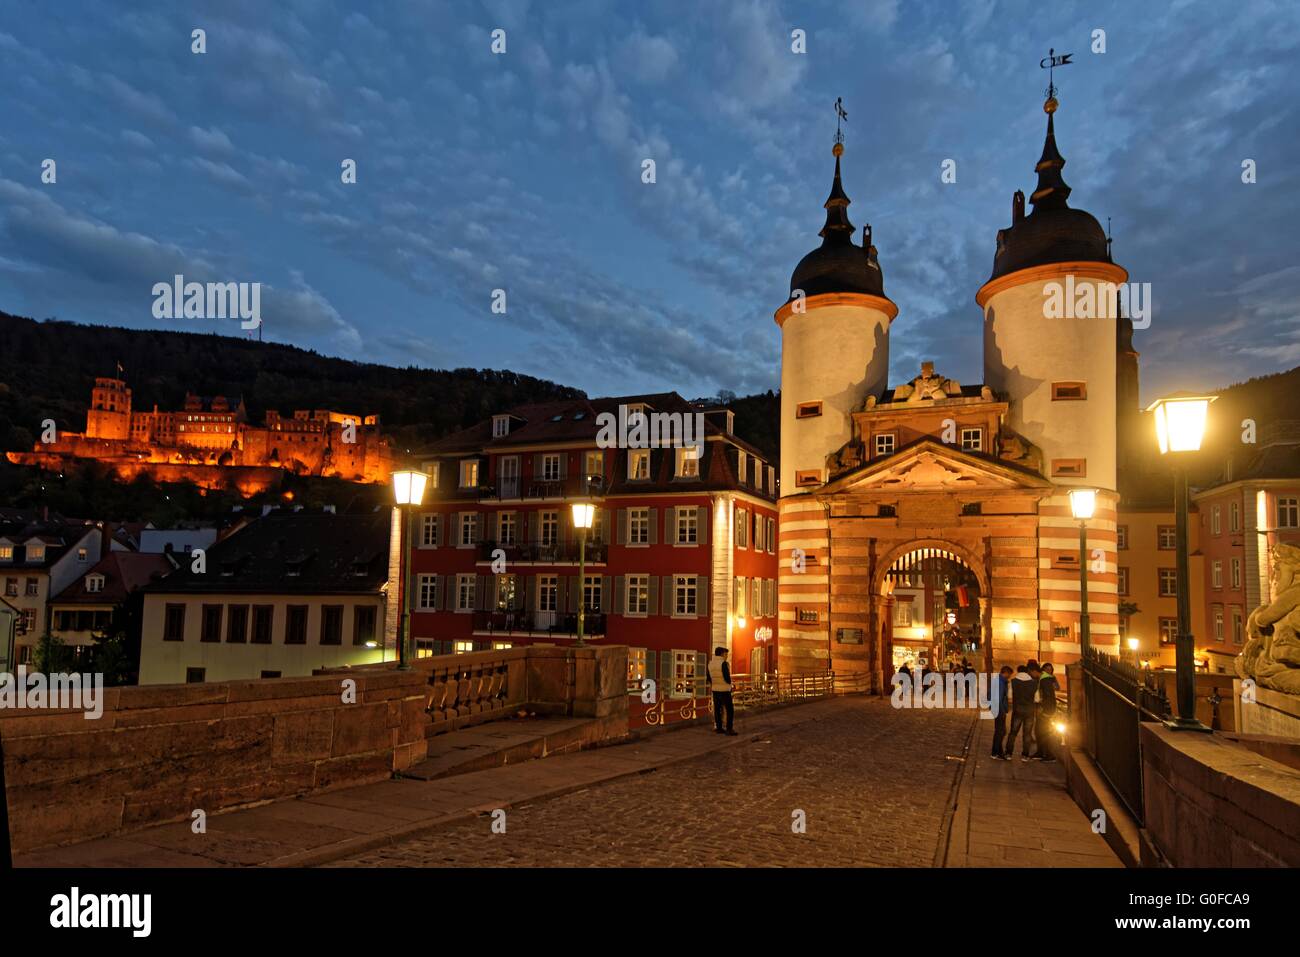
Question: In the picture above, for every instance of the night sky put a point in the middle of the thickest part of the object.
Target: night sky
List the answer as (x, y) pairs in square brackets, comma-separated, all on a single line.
[(523, 171)]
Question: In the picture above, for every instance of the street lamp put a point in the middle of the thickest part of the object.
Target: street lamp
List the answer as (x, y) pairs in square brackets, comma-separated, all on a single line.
[(1133, 647), (584, 514), (1083, 502), (408, 492), (1180, 427)]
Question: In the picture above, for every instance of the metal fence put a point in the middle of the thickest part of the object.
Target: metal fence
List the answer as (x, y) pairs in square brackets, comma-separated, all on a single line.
[(749, 692), (1119, 697)]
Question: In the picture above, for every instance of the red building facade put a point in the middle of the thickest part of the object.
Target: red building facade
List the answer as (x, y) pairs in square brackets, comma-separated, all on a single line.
[(682, 556)]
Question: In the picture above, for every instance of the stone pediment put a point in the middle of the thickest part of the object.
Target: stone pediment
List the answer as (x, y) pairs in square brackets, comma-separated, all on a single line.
[(931, 466)]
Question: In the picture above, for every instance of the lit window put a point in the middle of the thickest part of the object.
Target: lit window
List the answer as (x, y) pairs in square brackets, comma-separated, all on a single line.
[(637, 600), (636, 665), (688, 461), (469, 474), (463, 647), (1168, 631), (506, 586), (683, 674), (638, 465)]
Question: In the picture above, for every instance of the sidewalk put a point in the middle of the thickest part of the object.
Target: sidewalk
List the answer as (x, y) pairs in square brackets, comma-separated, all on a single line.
[(334, 824), (1011, 814)]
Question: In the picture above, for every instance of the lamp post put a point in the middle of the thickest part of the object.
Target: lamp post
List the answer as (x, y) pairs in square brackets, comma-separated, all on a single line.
[(1083, 502), (408, 492), (1133, 644), (1180, 427), (584, 514)]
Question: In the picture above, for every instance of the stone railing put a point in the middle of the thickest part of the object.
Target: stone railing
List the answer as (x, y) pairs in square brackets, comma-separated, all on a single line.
[(159, 753)]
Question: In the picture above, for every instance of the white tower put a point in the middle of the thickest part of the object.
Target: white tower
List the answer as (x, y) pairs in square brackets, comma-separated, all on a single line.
[(834, 344)]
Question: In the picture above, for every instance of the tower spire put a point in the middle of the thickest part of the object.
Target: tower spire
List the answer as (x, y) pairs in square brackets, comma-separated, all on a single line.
[(1052, 191), (838, 229)]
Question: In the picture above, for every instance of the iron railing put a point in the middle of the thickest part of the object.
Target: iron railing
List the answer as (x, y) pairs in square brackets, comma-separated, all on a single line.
[(547, 553), (1119, 697), (531, 623)]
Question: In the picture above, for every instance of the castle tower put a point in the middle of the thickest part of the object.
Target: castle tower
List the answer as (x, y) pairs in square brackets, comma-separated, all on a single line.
[(834, 344), (109, 416), (834, 353), (1051, 339)]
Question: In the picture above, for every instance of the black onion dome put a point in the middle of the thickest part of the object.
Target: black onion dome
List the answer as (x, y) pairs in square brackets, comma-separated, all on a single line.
[(838, 265), (1053, 232)]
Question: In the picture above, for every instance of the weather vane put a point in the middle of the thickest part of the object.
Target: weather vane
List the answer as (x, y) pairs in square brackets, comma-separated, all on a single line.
[(840, 116), (1050, 63)]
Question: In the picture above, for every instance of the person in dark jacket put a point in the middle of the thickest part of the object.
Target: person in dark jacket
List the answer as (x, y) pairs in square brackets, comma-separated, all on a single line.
[(1024, 688), (1047, 688), (1002, 682), (720, 681)]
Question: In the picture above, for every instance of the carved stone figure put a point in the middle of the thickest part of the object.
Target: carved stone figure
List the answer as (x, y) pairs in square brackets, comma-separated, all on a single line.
[(1271, 655)]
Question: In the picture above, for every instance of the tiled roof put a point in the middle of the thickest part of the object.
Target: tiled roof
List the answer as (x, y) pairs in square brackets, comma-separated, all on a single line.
[(307, 553), (123, 572)]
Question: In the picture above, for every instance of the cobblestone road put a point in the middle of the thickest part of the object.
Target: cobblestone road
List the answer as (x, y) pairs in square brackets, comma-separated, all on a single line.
[(874, 783)]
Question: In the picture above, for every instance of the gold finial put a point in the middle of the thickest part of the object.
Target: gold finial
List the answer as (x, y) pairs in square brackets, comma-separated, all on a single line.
[(1051, 105), (837, 150)]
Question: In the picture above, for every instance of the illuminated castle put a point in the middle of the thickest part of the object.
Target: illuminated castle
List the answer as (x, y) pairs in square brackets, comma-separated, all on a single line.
[(210, 442)]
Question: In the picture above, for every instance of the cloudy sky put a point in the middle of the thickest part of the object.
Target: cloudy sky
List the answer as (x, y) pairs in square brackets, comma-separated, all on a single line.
[(522, 171)]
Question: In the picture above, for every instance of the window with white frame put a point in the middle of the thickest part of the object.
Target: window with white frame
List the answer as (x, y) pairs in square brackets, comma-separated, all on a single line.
[(638, 526), (884, 443), (636, 665), (550, 528), (465, 592), (429, 530), (902, 613), (1234, 516), (1121, 577), (637, 599), (551, 467), (1166, 537), (742, 595), (684, 597), (468, 523), (1168, 582), (638, 465), (506, 522), (742, 528), (972, 440), (548, 593), (463, 647), (428, 592), (6, 553), (1121, 537), (683, 674), (469, 473), (1236, 573), (500, 426), (742, 464), (593, 464), (686, 525), (771, 536), (756, 597), (688, 461), (1216, 520), (94, 583), (1216, 573), (1218, 623), (36, 553), (760, 533), (771, 478), (1288, 512), (591, 593), (82, 555), (1237, 636)]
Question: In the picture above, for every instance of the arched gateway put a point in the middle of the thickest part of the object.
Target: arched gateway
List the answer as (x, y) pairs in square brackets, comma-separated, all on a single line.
[(952, 496)]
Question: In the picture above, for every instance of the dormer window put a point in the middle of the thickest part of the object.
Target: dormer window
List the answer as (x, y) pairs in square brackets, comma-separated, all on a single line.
[(500, 426), (742, 472), (469, 473), (82, 555), (688, 461), (6, 553), (94, 583), (36, 553)]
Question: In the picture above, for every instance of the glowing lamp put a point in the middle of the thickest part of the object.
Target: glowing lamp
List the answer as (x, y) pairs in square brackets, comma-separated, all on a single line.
[(1083, 502), (1133, 644), (408, 486), (1015, 629), (1180, 421), (740, 621), (584, 513)]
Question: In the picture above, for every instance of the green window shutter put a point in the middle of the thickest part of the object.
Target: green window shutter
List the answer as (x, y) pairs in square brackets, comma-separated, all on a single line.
[(670, 597), (606, 586), (534, 527), (652, 603), (620, 591), (530, 589), (622, 526), (670, 525), (665, 673), (447, 589), (702, 596), (537, 467), (564, 465), (575, 593), (650, 667), (701, 669), (654, 526), (702, 525)]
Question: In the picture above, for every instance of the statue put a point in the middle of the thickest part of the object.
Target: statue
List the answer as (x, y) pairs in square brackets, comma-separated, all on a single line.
[(1272, 652)]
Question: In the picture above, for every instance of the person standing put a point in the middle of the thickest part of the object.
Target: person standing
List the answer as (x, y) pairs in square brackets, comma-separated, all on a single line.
[(1024, 687), (1047, 688), (720, 681), (1001, 687)]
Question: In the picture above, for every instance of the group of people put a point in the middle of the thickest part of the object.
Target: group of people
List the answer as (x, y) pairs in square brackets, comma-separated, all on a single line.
[(1029, 696)]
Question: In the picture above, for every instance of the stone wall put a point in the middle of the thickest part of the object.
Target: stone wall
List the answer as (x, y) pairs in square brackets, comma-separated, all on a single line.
[(158, 753), (1210, 802)]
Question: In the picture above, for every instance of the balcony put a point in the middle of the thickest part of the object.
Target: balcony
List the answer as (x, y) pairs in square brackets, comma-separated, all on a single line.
[(543, 553), (514, 488), (538, 624)]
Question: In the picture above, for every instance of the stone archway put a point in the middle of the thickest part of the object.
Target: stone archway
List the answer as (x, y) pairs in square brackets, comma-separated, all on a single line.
[(920, 564)]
